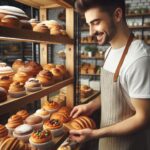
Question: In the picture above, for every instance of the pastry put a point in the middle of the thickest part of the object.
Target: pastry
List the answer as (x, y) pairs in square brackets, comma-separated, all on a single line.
[(31, 68), (23, 132), (11, 143), (23, 113), (3, 131), (41, 139), (35, 121), (65, 109), (17, 64), (42, 28), (52, 24), (25, 24), (5, 82), (3, 64), (57, 74), (33, 22), (6, 71), (21, 77), (55, 126), (3, 94), (85, 91), (46, 78), (32, 85), (10, 21), (11, 10), (13, 122), (63, 70), (16, 90), (63, 117), (82, 122), (49, 66), (44, 114), (51, 106)]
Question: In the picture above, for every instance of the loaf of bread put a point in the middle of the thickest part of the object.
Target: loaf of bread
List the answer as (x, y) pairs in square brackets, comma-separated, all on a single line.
[(83, 122)]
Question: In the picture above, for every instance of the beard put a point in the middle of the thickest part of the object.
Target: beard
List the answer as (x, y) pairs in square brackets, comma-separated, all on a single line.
[(104, 37)]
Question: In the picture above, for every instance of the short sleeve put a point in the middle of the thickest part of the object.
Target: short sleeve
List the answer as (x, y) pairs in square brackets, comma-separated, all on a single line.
[(138, 78)]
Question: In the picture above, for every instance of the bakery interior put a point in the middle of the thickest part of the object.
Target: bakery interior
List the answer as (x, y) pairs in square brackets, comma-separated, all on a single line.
[(49, 64)]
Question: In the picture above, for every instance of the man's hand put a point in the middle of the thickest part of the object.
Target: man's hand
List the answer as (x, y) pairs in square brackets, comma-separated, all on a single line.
[(80, 110), (81, 136)]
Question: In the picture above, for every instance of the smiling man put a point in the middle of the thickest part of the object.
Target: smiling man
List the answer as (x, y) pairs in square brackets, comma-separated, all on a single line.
[(125, 80)]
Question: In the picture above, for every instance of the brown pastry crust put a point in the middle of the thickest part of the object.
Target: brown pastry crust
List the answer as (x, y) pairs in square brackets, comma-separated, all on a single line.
[(52, 124), (65, 109), (21, 77), (83, 122), (14, 121), (32, 83), (16, 87), (41, 136), (5, 82), (46, 78), (3, 131), (33, 22), (63, 117), (57, 74), (41, 28), (23, 113), (3, 94), (17, 64), (25, 24), (50, 105), (49, 66), (10, 21), (32, 120)]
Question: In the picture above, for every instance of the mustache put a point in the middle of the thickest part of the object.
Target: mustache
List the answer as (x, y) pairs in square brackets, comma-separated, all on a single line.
[(97, 33)]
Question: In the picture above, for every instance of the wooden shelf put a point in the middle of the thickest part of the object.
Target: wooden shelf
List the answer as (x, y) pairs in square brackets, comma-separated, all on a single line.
[(92, 43), (47, 3), (139, 27), (138, 15), (94, 95), (30, 36), (32, 96), (93, 57), (87, 74)]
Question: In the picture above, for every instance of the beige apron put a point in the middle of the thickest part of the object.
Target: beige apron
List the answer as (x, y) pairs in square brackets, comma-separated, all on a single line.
[(116, 106)]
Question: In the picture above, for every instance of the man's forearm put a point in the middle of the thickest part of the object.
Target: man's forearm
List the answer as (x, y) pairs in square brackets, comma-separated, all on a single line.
[(94, 104), (126, 127)]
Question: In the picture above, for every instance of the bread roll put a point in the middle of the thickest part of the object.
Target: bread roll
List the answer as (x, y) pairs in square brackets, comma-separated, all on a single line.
[(41, 28), (5, 82), (17, 64), (25, 24)]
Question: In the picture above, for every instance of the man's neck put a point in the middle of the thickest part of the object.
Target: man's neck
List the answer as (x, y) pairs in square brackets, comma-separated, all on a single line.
[(120, 39)]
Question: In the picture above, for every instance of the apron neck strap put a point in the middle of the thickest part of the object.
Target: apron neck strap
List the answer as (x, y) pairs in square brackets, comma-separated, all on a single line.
[(130, 39)]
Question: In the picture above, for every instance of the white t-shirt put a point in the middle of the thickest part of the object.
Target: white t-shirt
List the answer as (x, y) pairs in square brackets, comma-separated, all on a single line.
[(134, 74)]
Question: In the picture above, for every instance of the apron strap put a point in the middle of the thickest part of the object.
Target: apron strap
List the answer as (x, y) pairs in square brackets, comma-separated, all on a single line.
[(107, 54), (130, 39)]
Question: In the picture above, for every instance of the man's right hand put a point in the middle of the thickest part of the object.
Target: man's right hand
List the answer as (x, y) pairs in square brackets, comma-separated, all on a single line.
[(81, 110)]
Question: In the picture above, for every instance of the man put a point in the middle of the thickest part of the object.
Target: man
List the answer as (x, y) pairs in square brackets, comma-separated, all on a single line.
[(125, 80)]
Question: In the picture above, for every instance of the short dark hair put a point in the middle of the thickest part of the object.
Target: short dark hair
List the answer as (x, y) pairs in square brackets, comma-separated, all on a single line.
[(106, 5)]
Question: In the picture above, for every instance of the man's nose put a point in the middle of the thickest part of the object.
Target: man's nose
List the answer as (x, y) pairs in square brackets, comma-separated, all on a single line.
[(91, 31)]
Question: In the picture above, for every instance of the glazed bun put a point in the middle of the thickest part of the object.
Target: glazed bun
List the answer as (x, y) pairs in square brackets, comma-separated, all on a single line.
[(17, 64), (21, 77), (23, 113), (58, 76), (65, 110), (33, 22), (10, 21), (3, 94), (46, 78), (32, 120), (3, 131), (42, 28), (5, 82), (41, 136), (82, 122), (51, 106), (6, 71), (49, 66), (63, 71)]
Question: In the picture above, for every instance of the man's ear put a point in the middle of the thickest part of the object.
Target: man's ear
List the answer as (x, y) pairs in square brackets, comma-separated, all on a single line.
[(118, 15)]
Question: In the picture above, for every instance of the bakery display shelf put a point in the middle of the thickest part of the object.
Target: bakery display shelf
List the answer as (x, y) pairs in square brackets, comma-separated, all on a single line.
[(138, 15), (47, 3), (139, 27), (93, 57), (21, 35), (92, 43), (91, 97), (13, 103), (89, 74)]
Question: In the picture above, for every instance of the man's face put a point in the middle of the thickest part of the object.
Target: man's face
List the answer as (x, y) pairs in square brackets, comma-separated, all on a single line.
[(101, 25)]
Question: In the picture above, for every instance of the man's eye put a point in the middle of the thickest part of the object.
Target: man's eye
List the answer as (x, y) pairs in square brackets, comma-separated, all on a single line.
[(96, 22)]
